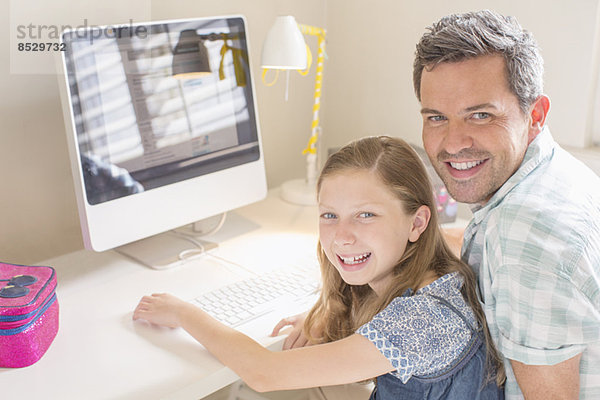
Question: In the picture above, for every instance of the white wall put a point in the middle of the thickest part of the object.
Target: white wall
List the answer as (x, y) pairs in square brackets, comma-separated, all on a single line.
[(367, 90)]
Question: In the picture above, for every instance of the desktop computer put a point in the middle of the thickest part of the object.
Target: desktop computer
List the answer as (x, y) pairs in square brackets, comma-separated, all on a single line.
[(162, 128)]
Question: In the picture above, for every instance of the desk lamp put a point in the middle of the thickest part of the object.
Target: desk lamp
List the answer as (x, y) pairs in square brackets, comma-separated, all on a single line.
[(285, 49)]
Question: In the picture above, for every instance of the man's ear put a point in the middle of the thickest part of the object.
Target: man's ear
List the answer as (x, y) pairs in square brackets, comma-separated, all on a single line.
[(537, 116), (420, 221)]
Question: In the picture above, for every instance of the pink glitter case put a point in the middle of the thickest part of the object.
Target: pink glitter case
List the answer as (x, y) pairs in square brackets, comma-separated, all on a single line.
[(28, 313)]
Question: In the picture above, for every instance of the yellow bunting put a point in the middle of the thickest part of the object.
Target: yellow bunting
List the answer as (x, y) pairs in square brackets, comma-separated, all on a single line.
[(238, 56), (320, 33), (310, 148), (264, 75), (308, 62)]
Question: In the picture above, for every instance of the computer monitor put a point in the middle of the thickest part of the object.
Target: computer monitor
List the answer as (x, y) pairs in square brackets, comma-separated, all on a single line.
[(150, 151)]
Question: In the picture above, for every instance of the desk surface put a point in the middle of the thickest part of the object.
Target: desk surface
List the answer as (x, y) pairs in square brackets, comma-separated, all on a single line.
[(100, 353)]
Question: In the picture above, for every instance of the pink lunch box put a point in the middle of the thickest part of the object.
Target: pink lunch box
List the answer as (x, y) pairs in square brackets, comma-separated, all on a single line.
[(28, 313)]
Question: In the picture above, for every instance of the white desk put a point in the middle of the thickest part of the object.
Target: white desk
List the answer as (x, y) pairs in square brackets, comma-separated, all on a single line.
[(100, 353)]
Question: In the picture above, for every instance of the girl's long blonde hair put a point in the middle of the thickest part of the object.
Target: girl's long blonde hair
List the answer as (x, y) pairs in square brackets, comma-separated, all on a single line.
[(343, 308)]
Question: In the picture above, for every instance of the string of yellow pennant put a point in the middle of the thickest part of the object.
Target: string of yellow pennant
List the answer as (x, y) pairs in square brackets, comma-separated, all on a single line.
[(238, 56), (320, 34)]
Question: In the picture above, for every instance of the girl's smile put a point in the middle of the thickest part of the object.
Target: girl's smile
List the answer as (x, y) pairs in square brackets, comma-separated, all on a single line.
[(353, 263)]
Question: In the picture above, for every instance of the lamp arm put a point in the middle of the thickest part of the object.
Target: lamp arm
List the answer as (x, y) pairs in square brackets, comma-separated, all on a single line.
[(311, 149)]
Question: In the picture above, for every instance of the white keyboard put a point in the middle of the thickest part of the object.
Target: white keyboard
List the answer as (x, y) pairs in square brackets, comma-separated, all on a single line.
[(245, 300)]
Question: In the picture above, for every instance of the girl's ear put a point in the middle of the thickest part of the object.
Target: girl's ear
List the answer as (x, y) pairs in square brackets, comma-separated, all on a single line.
[(420, 220)]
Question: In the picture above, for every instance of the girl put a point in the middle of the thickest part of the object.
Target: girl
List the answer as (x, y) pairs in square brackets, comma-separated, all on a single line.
[(396, 303)]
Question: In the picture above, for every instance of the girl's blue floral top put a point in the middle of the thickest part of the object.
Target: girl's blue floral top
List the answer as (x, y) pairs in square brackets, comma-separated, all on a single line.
[(419, 334)]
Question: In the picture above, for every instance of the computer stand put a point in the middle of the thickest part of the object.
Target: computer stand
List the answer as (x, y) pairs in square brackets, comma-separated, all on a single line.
[(166, 250), (174, 247)]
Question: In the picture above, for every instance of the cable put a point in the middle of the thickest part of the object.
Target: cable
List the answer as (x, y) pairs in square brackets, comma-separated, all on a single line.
[(215, 229), (200, 249), (188, 253), (233, 263)]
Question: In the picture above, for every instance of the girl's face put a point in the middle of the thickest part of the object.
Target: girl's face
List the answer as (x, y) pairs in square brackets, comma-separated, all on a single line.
[(363, 228)]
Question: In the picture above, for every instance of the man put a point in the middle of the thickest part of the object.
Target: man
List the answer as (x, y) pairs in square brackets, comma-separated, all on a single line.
[(534, 239)]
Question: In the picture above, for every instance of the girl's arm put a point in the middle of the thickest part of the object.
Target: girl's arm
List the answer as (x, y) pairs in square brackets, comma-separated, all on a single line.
[(348, 360)]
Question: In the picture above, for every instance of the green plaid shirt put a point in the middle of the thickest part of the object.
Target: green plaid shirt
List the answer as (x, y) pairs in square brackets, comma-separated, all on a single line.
[(535, 247)]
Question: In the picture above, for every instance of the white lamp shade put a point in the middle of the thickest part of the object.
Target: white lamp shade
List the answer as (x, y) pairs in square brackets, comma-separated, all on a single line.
[(284, 46)]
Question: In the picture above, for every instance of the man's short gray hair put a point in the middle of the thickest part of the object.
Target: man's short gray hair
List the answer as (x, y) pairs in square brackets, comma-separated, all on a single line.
[(459, 37)]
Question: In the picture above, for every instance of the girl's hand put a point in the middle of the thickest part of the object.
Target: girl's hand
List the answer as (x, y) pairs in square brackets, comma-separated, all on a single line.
[(161, 309), (296, 336)]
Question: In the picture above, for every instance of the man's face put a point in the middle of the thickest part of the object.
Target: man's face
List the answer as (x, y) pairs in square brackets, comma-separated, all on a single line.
[(474, 132)]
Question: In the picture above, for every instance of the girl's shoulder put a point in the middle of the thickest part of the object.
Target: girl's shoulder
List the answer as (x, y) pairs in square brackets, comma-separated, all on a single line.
[(445, 287), (438, 305)]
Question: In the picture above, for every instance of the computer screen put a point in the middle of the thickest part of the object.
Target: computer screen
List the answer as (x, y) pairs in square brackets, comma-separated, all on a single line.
[(162, 125)]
